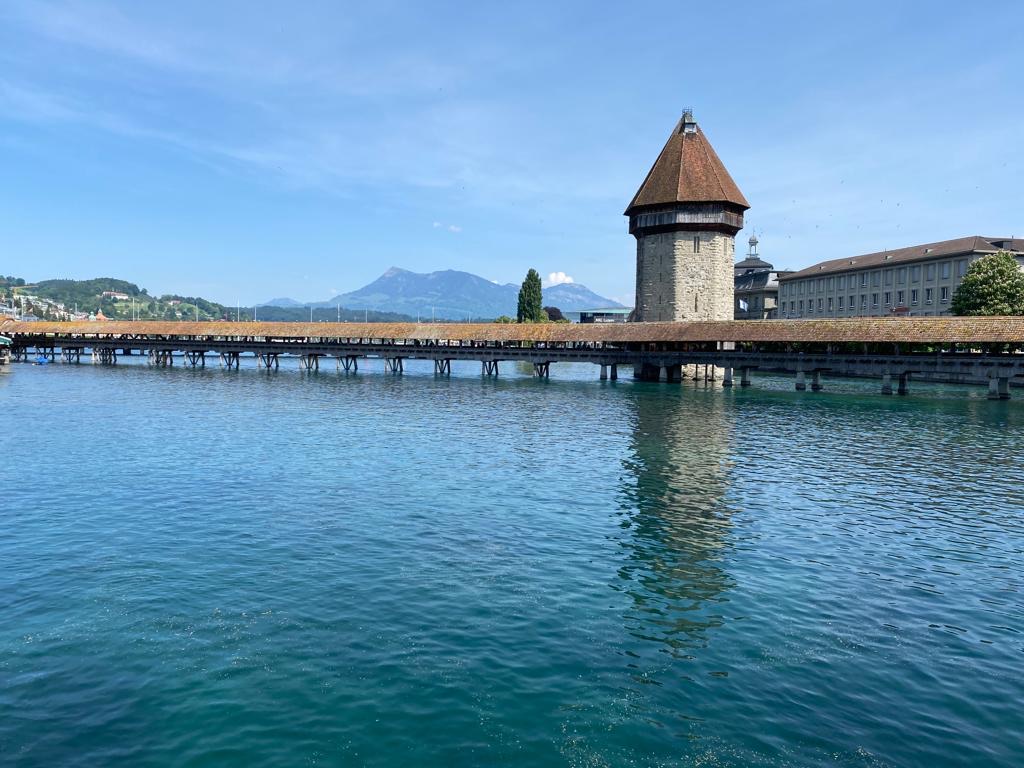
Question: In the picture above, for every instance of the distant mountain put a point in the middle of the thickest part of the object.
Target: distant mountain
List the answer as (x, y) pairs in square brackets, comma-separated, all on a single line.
[(456, 295), (284, 303), (572, 297)]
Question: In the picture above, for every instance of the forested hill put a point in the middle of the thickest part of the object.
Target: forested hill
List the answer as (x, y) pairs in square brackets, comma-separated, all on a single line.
[(121, 300), (87, 294)]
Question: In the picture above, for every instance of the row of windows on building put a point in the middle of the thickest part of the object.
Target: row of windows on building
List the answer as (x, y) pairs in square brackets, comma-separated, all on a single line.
[(848, 303), (754, 301), (876, 278)]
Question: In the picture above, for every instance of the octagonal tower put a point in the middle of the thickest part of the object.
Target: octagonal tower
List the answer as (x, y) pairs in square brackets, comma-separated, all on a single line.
[(685, 217)]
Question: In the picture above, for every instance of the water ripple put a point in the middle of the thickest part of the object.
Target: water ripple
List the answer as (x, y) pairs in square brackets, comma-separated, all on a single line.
[(208, 568)]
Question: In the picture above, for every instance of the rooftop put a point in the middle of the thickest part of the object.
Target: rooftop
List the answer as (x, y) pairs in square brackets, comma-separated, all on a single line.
[(752, 263), (687, 171), (957, 247), (910, 330)]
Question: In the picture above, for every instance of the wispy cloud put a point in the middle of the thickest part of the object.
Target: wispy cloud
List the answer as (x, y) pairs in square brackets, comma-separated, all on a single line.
[(308, 104), (453, 228)]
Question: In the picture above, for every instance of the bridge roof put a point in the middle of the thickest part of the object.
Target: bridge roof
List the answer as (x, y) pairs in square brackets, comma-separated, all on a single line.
[(909, 330)]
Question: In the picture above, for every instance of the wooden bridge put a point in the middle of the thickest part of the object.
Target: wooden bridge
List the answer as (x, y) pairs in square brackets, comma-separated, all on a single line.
[(974, 350)]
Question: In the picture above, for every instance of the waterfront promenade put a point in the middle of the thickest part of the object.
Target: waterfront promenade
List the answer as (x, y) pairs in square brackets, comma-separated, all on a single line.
[(984, 350)]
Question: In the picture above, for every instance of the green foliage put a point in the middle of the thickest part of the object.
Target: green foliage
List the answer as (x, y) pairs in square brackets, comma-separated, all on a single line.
[(993, 285), (530, 298), (504, 319)]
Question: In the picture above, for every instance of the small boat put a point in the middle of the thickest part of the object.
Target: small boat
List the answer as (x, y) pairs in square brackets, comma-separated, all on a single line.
[(42, 360)]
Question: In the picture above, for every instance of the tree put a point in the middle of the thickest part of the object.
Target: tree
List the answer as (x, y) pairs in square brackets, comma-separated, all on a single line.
[(993, 285), (530, 299), (503, 319), (554, 314)]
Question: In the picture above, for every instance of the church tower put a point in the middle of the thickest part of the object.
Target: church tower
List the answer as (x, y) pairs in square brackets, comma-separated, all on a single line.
[(685, 217)]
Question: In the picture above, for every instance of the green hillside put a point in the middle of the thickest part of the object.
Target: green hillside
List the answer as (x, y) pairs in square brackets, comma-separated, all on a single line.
[(60, 299)]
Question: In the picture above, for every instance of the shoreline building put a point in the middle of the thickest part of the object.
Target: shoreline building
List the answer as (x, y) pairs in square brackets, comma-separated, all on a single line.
[(919, 280), (756, 286), (685, 217)]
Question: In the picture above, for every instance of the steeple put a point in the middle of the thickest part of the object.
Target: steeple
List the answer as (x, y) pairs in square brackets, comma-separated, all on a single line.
[(688, 170)]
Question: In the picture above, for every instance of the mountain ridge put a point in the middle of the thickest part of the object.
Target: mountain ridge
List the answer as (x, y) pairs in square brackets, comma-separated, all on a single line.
[(455, 294)]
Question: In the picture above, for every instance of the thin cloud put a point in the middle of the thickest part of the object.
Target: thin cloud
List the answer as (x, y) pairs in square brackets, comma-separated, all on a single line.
[(453, 228)]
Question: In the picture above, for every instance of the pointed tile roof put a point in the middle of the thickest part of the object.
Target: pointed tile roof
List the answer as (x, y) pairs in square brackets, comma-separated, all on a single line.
[(687, 171)]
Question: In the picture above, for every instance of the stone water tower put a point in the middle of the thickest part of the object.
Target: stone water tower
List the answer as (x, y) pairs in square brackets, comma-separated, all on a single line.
[(685, 217)]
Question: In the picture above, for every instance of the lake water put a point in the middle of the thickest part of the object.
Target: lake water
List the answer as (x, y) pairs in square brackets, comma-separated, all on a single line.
[(210, 568)]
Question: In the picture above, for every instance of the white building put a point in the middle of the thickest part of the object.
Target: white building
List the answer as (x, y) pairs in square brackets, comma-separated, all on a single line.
[(919, 280)]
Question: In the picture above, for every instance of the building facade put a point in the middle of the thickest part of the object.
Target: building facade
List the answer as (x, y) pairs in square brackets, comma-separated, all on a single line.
[(685, 217), (604, 315), (919, 280), (756, 286)]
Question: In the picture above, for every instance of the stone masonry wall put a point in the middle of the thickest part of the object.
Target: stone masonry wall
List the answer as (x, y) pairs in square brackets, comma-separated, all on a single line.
[(676, 282)]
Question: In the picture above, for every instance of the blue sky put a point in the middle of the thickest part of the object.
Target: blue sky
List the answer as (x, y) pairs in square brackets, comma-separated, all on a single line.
[(247, 150)]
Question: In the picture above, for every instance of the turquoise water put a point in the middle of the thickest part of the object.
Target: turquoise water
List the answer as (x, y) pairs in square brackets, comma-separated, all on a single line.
[(208, 568)]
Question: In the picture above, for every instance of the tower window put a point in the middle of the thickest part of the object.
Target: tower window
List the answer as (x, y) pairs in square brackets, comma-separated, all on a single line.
[(694, 303), (696, 246)]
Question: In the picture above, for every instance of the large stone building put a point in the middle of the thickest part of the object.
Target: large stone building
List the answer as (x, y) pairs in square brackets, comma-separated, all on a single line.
[(685, 217), (756, 286), (919, 280)]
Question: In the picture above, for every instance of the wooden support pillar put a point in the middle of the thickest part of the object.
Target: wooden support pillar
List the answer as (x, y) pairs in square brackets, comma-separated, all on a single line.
[(998, 387), (615, 371), (993, 388), (801, 381), (604, 372), (816, 381), (744, 377), (488, 367), (673, 374), (443, 367), (542, 370), (393, 365), (646, 372), (886, 383), (901, 388), (727, 377)]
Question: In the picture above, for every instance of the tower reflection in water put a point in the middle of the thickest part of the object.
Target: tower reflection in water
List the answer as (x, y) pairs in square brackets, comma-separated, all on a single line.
[(679, 525)]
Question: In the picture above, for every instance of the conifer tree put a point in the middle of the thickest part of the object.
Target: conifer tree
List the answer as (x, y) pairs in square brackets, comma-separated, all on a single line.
[(530, 300)]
